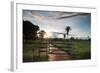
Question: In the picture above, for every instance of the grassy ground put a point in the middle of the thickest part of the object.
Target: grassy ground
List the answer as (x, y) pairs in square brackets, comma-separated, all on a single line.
[(79, 49), (28, 55)]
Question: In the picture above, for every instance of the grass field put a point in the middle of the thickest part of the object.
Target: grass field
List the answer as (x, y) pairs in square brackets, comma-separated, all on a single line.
[(78, 49), (28, 46)]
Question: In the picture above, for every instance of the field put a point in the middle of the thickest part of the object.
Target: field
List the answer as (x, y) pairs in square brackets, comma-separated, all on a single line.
[(76, 49), (79, 49)]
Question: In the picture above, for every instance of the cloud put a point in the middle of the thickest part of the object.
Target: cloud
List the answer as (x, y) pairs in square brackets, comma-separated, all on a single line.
[(47, 20), (67, 15)]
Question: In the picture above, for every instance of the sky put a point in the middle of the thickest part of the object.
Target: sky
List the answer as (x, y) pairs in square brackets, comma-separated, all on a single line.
[(56, 21)]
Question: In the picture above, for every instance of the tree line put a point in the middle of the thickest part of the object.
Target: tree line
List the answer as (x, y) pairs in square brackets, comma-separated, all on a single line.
[(31, 31)]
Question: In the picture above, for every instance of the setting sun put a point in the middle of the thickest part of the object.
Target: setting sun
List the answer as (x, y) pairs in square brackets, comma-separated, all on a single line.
[(48, 35)]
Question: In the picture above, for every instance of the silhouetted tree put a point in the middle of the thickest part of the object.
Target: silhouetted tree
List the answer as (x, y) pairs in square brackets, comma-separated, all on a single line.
[(41, 34), (68, 28), (72, 38), (89, 38), (64, 36), (29, 30)]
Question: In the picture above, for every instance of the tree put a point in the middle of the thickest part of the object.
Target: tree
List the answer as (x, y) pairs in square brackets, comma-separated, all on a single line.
[(72, 38), (29, 30), (41, 34), (89, 38), (64, 36), (68, 28)]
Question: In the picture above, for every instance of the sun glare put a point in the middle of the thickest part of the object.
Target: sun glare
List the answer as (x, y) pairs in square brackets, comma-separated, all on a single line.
[(48, 35)]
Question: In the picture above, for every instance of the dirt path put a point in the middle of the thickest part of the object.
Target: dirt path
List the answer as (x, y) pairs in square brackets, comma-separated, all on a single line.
[(56, 54)]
